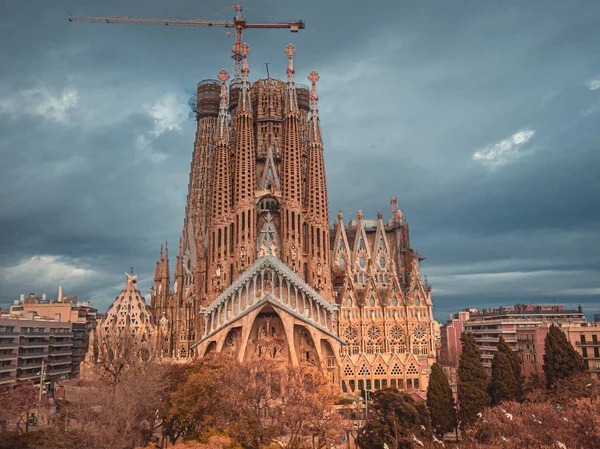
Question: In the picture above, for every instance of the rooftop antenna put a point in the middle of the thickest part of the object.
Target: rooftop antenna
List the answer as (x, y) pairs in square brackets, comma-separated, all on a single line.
[(131, 270), (267, 66)]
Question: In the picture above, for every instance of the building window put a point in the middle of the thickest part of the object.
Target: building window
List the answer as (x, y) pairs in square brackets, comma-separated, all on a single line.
[(584, 352), (582, 338)]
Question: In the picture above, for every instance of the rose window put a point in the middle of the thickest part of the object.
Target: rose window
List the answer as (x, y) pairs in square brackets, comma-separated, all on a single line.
[(350, 334), (419, 333), (373, 333), (396, 332)]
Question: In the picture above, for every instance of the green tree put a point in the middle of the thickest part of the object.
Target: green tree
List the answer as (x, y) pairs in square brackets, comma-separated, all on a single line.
[(394, 417), (440, 402), (507, 380), (472, 381), (561, 360), (503, 385)]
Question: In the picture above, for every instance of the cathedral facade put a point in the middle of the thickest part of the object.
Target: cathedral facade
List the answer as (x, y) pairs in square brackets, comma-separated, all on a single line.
[(260, 274)]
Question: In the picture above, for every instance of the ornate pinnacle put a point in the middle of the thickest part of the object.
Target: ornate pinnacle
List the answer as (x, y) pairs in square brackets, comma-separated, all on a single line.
[(222, 121), (244, 52), (314, 98), (290, 51)]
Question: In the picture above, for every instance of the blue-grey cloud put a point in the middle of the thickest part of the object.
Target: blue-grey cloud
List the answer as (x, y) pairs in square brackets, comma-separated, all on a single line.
[(480, 116)]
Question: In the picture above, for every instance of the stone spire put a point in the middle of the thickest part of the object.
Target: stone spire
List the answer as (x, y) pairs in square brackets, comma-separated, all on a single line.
[(129, 312), (317, 188), (244, 171), (220, 201), (291, 175), (317, 216)]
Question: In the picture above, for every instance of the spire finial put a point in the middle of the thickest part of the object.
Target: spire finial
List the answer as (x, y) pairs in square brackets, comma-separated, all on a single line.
[(245, 51), (314, 98), (290, 51), (222, 121)]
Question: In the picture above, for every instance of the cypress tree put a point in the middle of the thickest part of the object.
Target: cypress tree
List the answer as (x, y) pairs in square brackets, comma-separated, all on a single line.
[(561, 360), (440, 402), (472, 380), (503, 385), (516, 367)]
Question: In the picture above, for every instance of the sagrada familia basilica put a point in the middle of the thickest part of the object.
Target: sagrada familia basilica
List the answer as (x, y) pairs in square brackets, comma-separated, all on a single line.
[(260, 274)]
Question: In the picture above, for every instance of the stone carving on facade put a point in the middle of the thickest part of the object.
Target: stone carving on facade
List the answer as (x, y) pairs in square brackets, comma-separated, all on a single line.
[(268, 344)]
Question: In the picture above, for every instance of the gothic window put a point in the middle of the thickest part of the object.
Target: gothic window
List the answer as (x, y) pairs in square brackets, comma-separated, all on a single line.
[(373, 333), (417, 302), (412, 370), (364, 370), (341, 244), (348, 371), (394, 301), (419, 333), (380, 371), (382, 262), (361, 244), (372, 302), (349, 302), (350, 333), (362, 262), (385, 278), (341, 262), (396, 371), (396, 332)]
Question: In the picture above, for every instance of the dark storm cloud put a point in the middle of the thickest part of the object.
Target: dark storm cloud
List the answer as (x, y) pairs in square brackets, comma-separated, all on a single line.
[(95, 144)]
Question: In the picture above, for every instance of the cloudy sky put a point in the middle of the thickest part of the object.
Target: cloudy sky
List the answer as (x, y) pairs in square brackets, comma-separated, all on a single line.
[(482, 117)]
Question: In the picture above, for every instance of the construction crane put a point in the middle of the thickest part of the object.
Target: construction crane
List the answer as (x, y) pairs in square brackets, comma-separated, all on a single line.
[(239, 23)]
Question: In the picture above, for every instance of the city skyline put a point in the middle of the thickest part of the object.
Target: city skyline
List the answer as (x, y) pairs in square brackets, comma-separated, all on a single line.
[(500, 199)]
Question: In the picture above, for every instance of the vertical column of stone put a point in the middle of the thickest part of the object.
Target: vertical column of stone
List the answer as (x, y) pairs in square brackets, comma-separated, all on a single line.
[(317, 218), (291, 178), (220, 203), (244, 177)]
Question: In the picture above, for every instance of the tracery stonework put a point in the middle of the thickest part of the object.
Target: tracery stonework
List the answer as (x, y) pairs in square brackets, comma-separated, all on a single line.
[(260, 274)]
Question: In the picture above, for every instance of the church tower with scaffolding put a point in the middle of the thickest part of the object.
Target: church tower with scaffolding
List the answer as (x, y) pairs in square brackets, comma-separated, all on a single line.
[(259, 272)]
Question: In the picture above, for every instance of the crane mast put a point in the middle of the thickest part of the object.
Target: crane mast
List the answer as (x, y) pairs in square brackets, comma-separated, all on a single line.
[(239, 23)]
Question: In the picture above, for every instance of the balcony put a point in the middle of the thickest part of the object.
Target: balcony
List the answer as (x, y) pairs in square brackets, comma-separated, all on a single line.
[(31, 365), (34, 334), (588, 343), (13, 344), (8, 334), (60, 352), (32, 355), (35, 344), (7, 368), (60, 343), (8, 356), (58, 371), (27, 376), (6, 380), (62, 335), (59, 362)]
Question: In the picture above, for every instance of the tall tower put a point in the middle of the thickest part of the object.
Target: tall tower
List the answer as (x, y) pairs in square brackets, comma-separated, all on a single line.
[(317, 214), (244, 175), (291, 177), (220, 236)]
